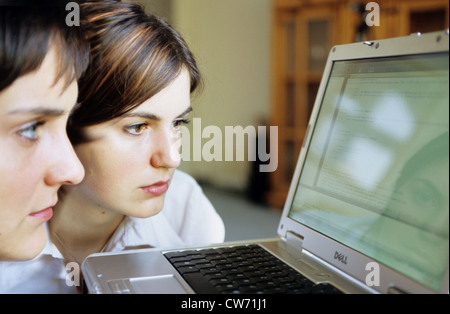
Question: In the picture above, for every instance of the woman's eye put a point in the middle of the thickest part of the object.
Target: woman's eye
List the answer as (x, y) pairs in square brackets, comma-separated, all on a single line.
[(30, 131), (179, 122), (136, 129)]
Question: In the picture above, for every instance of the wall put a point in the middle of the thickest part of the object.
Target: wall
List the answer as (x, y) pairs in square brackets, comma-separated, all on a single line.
[(161, 8)]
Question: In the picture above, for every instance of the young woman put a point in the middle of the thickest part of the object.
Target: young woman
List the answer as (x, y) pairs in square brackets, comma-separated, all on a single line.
[(40, 59), (133, 99)]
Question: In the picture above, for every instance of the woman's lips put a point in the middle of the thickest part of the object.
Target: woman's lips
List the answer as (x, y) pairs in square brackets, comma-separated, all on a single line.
[(157, 188), (45, 214)]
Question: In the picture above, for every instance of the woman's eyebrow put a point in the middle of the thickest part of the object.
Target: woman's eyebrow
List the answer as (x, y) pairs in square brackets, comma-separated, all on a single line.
[(187, 111), (151, 116), (39, 111), (145, 115)]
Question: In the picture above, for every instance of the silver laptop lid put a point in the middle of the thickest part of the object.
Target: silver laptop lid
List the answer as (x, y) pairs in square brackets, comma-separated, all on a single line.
[(370, 192)]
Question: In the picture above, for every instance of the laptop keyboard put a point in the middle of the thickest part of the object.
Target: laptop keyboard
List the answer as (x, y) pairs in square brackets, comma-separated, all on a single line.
[(241, 270)]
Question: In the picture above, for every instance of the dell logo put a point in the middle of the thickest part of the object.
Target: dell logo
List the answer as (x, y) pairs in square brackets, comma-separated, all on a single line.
[(340, 257)]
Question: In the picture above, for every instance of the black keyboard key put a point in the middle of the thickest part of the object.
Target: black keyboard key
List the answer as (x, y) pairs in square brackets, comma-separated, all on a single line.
[(187, 269), (199, 283)]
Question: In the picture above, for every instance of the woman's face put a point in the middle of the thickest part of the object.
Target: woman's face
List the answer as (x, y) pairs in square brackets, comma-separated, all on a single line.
[(36, 157), (129, 161)]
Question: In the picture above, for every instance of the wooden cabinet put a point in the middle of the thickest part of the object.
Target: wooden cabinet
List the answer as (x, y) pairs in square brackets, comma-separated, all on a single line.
[(303, 33)]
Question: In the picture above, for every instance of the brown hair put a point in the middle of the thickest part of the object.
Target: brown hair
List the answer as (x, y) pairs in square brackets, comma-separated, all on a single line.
[(134, 55), (29, 31)]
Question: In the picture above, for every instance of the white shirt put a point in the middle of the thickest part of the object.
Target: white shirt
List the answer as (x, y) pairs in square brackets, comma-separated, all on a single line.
[(187, 219)]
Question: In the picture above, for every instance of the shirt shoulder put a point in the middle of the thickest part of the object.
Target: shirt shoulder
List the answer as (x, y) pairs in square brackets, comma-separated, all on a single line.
[(191, 213)]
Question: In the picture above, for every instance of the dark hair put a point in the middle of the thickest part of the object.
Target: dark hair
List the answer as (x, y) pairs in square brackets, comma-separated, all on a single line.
[(134, 55), (28, 32)]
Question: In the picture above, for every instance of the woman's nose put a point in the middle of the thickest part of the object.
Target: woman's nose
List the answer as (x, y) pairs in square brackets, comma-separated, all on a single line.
[(64, 167), (166, 150)]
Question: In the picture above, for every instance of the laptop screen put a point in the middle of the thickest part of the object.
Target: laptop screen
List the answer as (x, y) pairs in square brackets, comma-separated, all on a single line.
[(375, 176)]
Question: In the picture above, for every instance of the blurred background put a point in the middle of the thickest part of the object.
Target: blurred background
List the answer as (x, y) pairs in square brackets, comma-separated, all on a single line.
[(262, 62)]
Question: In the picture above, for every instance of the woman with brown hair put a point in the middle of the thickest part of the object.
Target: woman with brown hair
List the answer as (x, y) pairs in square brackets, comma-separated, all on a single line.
[(133, 99)]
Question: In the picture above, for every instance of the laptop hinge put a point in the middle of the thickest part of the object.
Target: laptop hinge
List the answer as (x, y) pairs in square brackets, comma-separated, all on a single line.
[(295, 240)]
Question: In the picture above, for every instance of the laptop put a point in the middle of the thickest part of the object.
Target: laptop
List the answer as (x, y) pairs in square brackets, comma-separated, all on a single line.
[(368, 206)]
